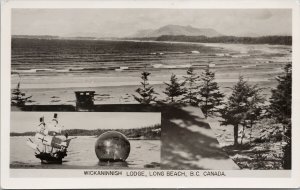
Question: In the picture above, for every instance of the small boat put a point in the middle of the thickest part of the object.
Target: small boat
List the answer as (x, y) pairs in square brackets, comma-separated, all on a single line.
[(49, 144)]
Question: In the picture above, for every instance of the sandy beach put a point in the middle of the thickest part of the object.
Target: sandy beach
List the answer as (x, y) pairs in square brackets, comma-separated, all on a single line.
[(110, 94), (115, 76)]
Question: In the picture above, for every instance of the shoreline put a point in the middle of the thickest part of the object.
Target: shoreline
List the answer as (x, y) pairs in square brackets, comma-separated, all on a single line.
[(155, 41), (114, 94), (258, 64), (126, 84)]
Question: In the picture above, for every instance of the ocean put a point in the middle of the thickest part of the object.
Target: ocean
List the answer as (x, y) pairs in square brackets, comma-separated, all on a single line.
[(56, 67), (81, 155)]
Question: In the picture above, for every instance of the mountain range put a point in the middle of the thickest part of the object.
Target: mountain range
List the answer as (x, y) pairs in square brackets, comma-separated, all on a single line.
[(175, 30)]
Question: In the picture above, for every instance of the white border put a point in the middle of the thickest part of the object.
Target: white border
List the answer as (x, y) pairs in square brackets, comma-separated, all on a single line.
[(127, 182)]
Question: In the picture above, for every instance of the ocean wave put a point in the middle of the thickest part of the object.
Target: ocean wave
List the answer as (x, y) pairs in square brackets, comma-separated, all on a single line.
[(161, 66), (36, 70), (90, 69)]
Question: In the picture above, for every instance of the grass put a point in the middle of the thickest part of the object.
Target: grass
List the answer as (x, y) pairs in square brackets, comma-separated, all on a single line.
[(264, 152), (256, 156)]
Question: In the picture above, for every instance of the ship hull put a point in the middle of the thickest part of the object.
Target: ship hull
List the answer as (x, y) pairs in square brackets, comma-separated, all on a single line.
[(47, 158), (51, 161)]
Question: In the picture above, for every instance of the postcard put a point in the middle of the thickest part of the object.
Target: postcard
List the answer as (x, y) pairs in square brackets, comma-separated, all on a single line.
[(123, 94)]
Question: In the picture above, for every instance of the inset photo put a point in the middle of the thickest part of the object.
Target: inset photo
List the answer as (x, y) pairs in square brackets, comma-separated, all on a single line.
[(85, 140)]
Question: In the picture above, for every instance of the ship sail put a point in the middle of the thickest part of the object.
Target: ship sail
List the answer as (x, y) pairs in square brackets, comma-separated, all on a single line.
[(49, 143)]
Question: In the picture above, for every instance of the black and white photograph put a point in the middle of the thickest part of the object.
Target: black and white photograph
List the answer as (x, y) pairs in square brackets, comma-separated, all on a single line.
[(145, 91), (239, 77), (90, 140)]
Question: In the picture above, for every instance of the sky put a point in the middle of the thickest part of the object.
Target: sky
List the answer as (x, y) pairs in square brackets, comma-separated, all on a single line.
[(28, 121), (126, 22)]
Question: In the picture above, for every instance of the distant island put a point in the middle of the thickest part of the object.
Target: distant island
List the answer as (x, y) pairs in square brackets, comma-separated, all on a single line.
[(174, 30), (272, 40), (177, 33), (49, 37), (144, 133)]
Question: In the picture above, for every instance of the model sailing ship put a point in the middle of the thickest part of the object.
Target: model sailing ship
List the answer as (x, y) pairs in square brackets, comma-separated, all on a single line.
[(49, 144)]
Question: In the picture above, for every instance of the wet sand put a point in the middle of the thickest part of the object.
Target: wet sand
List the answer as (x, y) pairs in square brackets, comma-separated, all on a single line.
[(259, 64), (114, 94)]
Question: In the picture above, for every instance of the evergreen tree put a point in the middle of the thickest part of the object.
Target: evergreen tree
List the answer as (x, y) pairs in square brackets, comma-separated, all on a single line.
[(192, 87), (255, 105), (146, 92), (245, 103), (287, 149), (174, 89), (210, 96), (280, 109), (19, 98), (281, 99)]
